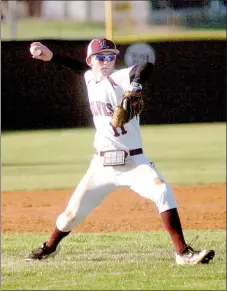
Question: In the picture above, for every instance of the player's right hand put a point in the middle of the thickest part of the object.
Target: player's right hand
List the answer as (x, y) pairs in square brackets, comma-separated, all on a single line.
[(46, 54)]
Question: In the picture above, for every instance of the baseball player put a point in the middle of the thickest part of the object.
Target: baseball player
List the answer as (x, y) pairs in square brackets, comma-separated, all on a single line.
[(116, 101)]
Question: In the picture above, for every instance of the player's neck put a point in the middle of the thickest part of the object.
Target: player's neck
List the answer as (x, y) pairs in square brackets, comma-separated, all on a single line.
[(99, 76)]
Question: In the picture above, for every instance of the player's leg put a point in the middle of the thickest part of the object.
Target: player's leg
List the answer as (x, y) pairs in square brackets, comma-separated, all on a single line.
[(149, 183), (90, 192)]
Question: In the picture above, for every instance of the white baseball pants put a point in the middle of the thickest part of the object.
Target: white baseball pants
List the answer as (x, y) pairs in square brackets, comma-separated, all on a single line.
[(138, 173)]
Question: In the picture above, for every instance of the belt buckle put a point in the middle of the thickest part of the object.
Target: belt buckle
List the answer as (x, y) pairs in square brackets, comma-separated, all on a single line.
[(114, 158)]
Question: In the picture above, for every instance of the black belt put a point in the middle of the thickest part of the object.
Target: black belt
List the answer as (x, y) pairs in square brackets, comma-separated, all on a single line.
[(131, 152)]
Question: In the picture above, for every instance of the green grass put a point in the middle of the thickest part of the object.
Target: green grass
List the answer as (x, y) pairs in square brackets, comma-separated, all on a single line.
[(33, 29), (112, 261), (57, 159), (190, 154)]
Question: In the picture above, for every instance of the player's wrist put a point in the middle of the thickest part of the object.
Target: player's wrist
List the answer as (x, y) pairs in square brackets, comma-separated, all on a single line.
[(135, 87), (136, 84)]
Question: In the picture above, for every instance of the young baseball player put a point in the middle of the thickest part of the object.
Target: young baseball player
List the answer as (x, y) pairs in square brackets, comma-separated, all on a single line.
[(116, 100)]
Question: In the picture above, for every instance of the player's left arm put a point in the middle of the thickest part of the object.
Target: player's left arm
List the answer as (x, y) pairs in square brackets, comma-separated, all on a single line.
[(141, 73), (132, 100)]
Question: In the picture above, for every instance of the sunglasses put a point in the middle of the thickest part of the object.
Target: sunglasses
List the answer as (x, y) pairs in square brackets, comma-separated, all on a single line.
[(103, 58)]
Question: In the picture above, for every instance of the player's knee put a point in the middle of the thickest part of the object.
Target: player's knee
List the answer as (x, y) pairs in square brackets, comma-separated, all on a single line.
[(66, 221), (164, 198)]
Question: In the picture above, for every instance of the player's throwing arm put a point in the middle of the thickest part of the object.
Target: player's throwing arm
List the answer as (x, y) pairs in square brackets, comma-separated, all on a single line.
[(40, 52)]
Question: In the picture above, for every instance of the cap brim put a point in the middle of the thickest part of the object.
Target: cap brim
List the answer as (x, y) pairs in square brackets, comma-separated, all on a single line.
[(106, 50)]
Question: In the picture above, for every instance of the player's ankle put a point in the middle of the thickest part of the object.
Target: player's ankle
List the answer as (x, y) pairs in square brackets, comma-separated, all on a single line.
[(51, 246)]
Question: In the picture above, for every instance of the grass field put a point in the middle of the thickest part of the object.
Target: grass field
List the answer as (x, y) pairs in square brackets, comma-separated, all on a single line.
[(32, 29), (57, 159), (185, 154), (114, 261)]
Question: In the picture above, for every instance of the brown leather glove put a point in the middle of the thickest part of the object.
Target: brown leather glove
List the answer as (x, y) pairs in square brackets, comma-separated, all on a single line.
[(131, 106)]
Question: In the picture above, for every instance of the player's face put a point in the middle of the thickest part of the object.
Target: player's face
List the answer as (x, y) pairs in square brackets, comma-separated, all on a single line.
[(102, 63)]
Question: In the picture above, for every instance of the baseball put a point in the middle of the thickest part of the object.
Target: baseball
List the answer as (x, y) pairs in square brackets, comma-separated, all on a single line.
[(35, 52)]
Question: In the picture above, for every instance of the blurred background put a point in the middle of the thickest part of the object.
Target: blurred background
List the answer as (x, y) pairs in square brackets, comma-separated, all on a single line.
[(186, 39), (64, 19)]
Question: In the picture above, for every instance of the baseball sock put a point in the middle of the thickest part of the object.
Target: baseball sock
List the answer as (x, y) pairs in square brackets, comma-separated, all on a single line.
[(172, 224), (56, 237)]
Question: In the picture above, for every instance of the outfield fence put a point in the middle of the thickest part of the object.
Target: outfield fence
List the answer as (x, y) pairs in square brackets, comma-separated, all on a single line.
[(188, 84)]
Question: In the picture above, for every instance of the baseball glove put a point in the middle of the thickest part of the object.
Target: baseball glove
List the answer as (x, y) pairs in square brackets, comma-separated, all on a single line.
[(131, 106)]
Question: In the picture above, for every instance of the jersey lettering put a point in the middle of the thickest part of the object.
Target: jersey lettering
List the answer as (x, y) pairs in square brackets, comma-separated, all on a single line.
[(123, 130), (99, 108), (104, 109), (98, 105), (110, 108), (116, 133)]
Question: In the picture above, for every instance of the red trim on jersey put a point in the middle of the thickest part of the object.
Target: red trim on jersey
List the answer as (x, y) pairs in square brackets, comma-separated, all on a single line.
[(112, 82)]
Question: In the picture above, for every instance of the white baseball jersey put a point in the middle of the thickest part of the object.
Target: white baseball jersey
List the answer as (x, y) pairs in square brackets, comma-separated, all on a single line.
[(103, 98), (138, 172)]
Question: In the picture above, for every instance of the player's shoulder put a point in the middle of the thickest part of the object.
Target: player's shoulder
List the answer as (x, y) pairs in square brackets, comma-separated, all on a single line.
[(88, 76), (121, 76), (123, 71)]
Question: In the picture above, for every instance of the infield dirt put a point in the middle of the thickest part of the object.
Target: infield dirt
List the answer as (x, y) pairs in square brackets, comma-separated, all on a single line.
[(200, 207)]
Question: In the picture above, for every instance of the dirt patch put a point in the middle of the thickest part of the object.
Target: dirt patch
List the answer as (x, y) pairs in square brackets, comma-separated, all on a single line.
[(200, 207)]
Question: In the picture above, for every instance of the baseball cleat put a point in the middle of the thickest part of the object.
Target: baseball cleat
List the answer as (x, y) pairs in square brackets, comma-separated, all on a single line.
[(41, 253), (192, 257)]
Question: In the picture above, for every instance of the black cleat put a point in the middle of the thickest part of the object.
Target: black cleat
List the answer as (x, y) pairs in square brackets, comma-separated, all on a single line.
[(42, 253)]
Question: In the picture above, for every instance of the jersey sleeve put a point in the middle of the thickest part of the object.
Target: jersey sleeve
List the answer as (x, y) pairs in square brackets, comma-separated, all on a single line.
[(138, 73), (122, 77), (69, 62), (141, 73), (87, 76)]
